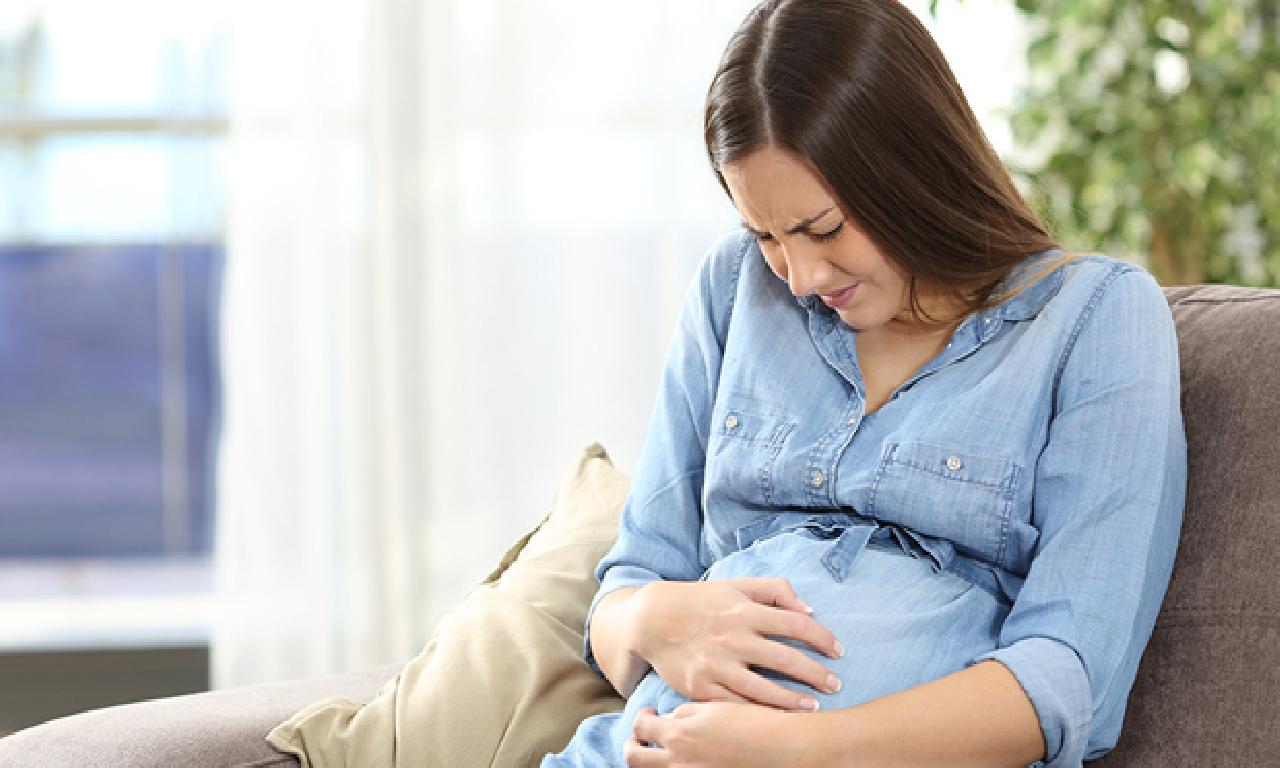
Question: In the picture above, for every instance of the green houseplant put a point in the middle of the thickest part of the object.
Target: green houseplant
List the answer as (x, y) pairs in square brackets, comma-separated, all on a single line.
[(1151, 130)]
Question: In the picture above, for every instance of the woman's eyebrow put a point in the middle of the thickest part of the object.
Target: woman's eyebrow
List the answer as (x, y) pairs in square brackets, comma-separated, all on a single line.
[(802, 226)]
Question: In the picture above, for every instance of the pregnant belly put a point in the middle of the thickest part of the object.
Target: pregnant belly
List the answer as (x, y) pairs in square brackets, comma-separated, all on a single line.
[(901, 622)]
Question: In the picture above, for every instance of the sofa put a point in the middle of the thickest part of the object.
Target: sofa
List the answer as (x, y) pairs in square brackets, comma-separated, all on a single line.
[(1206, 689)]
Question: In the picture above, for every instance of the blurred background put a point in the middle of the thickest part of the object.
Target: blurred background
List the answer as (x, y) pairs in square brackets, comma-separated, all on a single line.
[(305, 307)]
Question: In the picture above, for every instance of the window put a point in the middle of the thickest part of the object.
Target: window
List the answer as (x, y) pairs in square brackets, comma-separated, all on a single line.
[(111, 207)]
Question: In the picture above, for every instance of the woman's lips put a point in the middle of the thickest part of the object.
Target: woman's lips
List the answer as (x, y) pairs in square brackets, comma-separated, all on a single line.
[(840, 298)]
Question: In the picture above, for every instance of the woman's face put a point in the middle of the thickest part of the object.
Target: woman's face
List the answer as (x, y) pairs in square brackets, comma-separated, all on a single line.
[(810, 243)]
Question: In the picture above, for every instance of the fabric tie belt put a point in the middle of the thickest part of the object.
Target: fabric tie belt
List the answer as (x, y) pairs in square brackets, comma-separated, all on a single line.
[(851, 532)]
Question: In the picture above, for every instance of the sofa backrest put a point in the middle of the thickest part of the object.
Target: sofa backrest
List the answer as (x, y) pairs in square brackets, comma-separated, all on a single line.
[(1208, 687)]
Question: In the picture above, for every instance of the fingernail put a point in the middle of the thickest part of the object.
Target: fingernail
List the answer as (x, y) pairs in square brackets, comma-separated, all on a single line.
[(833, 684), (839, 650), (809, 704), (807, 608)]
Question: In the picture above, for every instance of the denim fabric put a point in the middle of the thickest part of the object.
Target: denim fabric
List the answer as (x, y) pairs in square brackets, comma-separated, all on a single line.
[(1019, 498)]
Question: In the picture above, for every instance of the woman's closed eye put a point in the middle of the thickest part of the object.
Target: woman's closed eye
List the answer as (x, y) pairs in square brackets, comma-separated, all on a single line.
[(823, 237), (817, 237)]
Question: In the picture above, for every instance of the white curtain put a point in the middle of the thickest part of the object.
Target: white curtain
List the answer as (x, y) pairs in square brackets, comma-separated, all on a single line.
[(459, 232)]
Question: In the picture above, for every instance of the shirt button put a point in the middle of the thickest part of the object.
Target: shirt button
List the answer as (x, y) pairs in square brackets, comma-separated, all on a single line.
[(853, 421), (731, 422), (816, 479), (954, 463)]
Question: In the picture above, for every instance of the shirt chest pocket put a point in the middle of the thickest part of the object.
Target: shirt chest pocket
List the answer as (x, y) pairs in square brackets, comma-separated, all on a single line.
[(746, 438), (956, 494)]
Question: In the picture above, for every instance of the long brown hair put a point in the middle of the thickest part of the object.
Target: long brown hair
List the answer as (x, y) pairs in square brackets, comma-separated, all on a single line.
[(860, 90)]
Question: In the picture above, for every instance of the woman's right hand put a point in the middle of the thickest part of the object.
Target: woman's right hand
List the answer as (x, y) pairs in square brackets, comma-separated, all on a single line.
[(703, 637)]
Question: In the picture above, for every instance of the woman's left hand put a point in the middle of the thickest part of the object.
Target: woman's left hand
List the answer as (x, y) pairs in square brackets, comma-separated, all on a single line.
[(712, 734)]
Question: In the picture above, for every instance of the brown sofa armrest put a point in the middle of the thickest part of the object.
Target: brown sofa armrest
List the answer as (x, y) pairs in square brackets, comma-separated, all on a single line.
[(216, 728)]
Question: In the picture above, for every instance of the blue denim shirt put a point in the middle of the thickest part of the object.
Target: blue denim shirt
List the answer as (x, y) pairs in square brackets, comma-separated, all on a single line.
[(1041, 455)]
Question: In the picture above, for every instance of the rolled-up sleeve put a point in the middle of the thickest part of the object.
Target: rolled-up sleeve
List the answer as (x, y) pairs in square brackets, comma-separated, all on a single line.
[(1108, 501), (660, 531)]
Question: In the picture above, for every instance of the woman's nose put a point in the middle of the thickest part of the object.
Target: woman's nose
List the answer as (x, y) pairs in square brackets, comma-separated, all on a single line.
[(807, 271)]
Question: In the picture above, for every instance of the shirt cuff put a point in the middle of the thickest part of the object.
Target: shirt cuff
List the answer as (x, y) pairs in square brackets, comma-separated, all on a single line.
[(617, 577), (1054, 679)]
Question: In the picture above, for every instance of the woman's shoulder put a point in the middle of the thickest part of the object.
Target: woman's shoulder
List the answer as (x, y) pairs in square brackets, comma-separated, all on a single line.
[(710, 297), (1093, 280), (731, 268), (719, 269), (1114, 310), (723, 260), (1086, 271), (1090, 304)]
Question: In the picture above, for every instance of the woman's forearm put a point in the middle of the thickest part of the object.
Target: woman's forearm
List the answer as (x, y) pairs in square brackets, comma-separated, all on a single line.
[(979, 716), (611, 630)]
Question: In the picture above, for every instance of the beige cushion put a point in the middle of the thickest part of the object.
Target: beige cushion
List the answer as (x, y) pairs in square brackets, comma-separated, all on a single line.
[(502, 682)]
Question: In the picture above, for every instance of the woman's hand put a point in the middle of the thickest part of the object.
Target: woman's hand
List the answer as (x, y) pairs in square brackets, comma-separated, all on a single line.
[(702, 638), (722, 734)]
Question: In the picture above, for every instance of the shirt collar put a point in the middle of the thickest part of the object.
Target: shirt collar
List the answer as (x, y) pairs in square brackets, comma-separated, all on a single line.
[(1024, 306)]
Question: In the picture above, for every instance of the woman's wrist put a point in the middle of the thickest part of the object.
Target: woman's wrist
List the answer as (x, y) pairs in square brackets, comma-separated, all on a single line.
[(820, 735), (613, 635), (638, 618)]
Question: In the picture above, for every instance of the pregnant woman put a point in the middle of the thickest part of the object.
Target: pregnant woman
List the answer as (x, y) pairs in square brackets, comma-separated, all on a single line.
[(913, 485)]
